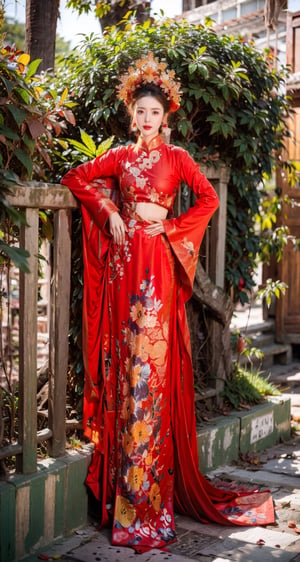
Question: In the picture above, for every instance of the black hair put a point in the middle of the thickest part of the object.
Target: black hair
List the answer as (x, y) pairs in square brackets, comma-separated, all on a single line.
[(154, 91)]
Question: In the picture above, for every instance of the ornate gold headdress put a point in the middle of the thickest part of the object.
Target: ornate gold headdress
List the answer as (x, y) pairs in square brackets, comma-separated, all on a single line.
[(149, 70)]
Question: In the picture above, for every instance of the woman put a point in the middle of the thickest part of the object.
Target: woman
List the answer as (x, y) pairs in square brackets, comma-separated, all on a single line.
[(139, 265)]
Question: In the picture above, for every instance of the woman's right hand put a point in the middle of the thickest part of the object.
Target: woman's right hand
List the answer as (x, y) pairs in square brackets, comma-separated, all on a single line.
[(117, 228)]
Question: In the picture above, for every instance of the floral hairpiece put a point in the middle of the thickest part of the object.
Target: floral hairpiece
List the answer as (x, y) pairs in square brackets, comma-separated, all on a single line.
[(148, 70)]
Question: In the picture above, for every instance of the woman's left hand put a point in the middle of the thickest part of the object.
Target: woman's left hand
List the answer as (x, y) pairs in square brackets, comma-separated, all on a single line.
[(155, 228)]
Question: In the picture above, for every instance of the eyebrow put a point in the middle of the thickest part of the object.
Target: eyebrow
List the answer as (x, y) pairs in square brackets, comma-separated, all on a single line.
[(143, 107)]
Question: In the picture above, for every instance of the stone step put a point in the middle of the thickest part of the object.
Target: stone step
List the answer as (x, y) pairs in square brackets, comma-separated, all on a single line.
[(273, 353), (261, 339), (253, 328)]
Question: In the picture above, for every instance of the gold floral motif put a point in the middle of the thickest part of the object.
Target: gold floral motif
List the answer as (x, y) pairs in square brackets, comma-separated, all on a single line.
[(137, 313), (155, 497), (141, 432), (144, 348), (136, 375), (128, 444), (124, 512), (149, 459), (135, 477)]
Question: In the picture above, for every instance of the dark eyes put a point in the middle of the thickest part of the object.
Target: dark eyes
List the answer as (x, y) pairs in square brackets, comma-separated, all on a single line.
[(141, 111)]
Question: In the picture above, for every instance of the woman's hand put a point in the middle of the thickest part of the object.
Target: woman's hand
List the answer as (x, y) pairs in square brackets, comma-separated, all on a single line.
[(117, 228), (155, 228)]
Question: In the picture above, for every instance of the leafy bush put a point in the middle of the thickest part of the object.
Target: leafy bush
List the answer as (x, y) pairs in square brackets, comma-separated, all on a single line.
[(232, 108), (247, 388), (29, 115)]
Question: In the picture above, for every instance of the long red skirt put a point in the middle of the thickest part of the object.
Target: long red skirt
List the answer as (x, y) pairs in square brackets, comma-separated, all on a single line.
[(145, 459)]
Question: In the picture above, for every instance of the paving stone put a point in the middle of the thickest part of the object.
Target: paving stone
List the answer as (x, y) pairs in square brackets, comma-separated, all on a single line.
[(192, 544), (262, 477), (286, 466), (271, 538), (287, 498), (100, 550)]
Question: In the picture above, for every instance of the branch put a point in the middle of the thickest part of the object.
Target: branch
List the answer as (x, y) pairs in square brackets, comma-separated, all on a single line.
[(208, 294)]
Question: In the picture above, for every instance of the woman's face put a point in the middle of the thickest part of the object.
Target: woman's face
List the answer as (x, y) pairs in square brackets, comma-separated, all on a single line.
[(148, 114)]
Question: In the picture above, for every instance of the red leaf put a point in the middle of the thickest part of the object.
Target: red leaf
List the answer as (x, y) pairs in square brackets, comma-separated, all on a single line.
[(35, 127), (260, 542), (241, 344), (69, 116)]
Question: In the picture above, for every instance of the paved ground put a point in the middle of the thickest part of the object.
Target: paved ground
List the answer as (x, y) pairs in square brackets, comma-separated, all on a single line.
[(277, 469)]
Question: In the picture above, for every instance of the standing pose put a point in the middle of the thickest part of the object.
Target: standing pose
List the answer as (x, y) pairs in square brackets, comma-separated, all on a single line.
[(139, 266)]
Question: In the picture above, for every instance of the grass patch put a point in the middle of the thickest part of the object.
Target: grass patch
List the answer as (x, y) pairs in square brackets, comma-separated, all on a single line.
[(247, 388)]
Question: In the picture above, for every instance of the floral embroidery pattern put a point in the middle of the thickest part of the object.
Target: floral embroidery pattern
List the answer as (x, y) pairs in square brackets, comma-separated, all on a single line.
[(142, 469), (125, 512)]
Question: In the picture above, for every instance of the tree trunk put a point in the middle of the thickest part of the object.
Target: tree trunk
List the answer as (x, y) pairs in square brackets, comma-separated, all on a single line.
[(41, 21), (117, 12), (218, 313), (212, 296)]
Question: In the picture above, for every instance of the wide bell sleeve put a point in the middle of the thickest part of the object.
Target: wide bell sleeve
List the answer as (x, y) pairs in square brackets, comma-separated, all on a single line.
[(87, 183), (95, 185), (185, 233)]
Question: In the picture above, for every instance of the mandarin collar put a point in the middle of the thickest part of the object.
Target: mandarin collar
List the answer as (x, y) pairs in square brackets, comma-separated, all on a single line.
[(154, 143)]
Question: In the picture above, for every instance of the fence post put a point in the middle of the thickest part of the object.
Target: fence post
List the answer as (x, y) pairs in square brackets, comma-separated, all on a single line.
[(219, 178), (26, 462), (59, 329)]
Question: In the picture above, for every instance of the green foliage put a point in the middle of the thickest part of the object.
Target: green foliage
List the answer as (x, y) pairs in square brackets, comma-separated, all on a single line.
[(29, 115), (75, 151), (274, 239), (232, 108), (247, 388), (101, 8), (272, 289)]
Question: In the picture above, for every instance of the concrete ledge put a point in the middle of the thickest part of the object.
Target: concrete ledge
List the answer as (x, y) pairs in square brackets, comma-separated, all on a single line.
[(264, 425), (38, 508), (223, 438), (218, 443)]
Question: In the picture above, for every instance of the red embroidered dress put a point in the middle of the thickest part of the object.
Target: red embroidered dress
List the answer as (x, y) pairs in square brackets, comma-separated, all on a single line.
[(139, 397)]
